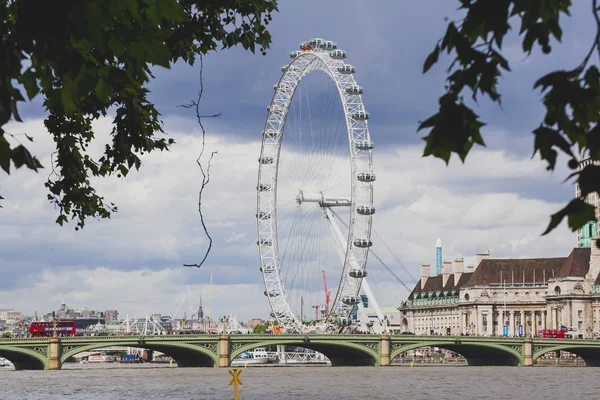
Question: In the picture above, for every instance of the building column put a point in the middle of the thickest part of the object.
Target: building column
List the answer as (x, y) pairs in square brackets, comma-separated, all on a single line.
[(511, 323), (544, 317)]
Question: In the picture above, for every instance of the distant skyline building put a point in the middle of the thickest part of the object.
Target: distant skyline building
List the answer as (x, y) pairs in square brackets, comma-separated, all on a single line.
[(438, 257), (200, 311), (591, 228)]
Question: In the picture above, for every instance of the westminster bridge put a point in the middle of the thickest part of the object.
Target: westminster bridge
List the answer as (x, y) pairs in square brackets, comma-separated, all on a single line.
[(347, 350)]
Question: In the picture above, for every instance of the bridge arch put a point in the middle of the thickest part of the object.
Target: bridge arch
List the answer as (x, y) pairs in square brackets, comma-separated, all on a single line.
[(185, 354), (24, 358), (340, 353), (590, 353), (476, 354)]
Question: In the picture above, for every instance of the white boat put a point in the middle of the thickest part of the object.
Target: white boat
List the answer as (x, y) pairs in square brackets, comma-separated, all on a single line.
[(5, 363), (101, 358), (254, 357)]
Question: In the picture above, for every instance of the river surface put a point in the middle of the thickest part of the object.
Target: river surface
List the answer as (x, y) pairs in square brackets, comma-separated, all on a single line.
[(115, 381)]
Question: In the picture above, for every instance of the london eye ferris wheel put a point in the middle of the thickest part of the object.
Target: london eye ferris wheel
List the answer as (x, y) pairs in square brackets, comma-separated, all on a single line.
[(315, 190)]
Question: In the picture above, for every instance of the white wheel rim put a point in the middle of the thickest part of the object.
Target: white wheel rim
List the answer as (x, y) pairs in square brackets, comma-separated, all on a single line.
[(361, 192)]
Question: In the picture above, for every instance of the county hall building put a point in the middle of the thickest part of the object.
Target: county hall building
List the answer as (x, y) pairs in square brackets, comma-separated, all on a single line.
[(514, 297)]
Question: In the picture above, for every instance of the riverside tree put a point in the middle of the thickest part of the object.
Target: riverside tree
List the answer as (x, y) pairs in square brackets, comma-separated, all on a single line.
[(571, 95), (84, 57)]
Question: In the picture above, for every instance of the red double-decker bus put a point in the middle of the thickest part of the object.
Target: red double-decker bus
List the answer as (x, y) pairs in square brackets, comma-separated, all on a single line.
[(47, 328), (552, 333)]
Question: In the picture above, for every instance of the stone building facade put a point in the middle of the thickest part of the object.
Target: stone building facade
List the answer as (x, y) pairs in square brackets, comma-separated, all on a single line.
[(514, 297)]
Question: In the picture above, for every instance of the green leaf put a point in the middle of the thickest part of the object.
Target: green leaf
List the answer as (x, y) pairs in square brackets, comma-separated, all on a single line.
[(103, 90), (66, 98), (593, 142), (13, 106), (589, 180), (5, 154), (431, 59), (21, 156), (29, 82), (578, 213), (545, 141), (61, 219)]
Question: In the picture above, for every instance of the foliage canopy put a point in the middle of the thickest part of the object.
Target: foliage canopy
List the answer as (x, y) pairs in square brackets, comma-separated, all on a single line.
[(571, 96), (86, 57)]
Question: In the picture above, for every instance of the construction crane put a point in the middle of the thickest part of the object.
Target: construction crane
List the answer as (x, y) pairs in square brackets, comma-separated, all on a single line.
[(316, 312), (327, 293)]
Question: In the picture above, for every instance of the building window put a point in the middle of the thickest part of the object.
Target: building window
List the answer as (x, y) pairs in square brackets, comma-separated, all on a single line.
[(557, 290), (579, 313), (467, 297), (580, 325)]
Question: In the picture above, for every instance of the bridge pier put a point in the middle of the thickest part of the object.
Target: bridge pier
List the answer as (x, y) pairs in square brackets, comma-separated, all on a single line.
[(384, 353), (223, 351), (54, 353), (528, 352)]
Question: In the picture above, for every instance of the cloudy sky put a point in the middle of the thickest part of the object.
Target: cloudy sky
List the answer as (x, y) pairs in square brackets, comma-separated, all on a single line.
[(499, 200)]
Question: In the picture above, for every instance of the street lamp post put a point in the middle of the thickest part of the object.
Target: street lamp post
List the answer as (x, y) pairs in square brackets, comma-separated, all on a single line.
[(54, 324)]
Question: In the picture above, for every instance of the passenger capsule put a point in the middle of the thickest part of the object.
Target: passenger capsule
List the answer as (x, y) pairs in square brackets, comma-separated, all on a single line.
[(266, 160), (361, 115), (305, 46), (365, 210), (328, 45), (276, 315), (355, 89), (346, 69), (270, 133), (271, 293), (284, 67), (275, 109), (363, 243), (295, 54), (338, 54), (366, 176), (267, 269), (282, 86), (264, 188), (263, 215), (344, 321), (364, 144), (265, 242), (315, 42), (350, 300), (358, 273)]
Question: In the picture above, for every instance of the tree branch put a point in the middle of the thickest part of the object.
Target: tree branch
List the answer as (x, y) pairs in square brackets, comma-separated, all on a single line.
[(204, 170)]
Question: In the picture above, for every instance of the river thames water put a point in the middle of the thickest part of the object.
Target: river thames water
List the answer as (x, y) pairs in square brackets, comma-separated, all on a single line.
[(106, 382)]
